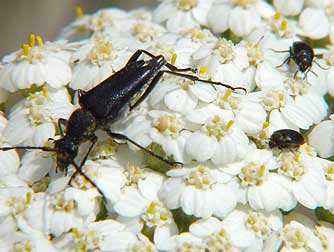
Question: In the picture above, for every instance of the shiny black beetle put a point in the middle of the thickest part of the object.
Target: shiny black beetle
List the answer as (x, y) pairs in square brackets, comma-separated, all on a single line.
[(303, 55), (286, 139), (104, 104)]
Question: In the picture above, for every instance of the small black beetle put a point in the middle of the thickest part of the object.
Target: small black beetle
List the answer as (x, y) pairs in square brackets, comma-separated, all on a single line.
[(286, 139), (303, 55)]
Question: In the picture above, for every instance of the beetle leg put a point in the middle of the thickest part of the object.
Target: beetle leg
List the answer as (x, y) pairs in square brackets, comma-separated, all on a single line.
[(61, 121), (137, 54), (148, 90), (83, 161), (195, 78), (316, 75), (324, 68), (284, 62), (125, 138)]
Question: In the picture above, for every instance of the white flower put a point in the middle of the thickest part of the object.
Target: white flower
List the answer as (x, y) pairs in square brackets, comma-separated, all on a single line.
[(220, 137), (36, 64), (85, 25), (307, 177), (288, 112), (184, 242), (181, 15), (239, 16), (32, 120), (314, 23), (71, 208), (214, 235), (14, 200), (248, 228), (322, 138), (223, 61), (264, 188), (299, 234), (9, 160), (107, 235), (289, 8), (25, 239), (156, 217), (199, 191), (96, 60)]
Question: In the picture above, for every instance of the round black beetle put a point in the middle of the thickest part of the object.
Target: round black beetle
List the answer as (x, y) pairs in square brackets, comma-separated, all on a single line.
[(303, 55), (286, 139)]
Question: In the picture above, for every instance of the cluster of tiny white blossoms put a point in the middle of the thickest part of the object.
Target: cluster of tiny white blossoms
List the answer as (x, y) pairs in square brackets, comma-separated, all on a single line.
[(233, 192)]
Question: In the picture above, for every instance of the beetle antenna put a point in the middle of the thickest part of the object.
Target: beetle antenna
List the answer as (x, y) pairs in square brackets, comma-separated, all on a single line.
[(78, 169), (27, 148)]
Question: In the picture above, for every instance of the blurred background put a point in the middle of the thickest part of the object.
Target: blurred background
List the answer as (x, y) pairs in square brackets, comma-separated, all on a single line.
[(19, 18)]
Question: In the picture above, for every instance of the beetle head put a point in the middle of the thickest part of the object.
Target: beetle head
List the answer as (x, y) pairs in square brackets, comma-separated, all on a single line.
[(66, 150)]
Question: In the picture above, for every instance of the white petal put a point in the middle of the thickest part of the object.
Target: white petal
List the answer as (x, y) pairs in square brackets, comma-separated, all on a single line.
[(205, 227), (42, 133), (251, 117), (150, 186), (314, 23), (218, 22), (180, 101), (171, 192), (204, 92), (273, 194), (296, 116), (268, 77), (310, 191), (289, 8), (243, 21), (58, 72), (200, 203), (322, 138), (225, 200), (200, 146), (35, 165), (131, 203)]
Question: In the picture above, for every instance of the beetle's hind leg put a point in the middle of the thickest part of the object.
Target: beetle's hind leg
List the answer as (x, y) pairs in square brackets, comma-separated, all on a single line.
[(125, 138)]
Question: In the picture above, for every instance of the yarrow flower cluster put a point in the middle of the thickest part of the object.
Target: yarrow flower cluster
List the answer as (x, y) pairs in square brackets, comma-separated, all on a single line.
[(234, 188)]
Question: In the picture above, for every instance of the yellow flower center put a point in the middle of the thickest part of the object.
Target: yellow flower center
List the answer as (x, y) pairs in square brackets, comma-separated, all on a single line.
[(225, 50), (186, 5), (201, 178), (253, 174), (219, 128)]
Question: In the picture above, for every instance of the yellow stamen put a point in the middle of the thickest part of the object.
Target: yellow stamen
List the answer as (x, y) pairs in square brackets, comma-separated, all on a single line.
[(79, 11), (277, 15), (229, 124), (265, 125), (25, 48), (76, 233), (28, 198), (202, 70), (215, 119), (173, 59), (227, 94), (296, 157), (39, 40), (261, 171), (32, 39), (284, 24)]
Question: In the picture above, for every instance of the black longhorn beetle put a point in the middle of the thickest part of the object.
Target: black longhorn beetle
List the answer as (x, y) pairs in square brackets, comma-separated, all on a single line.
[(104, 104), (303, 55)]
